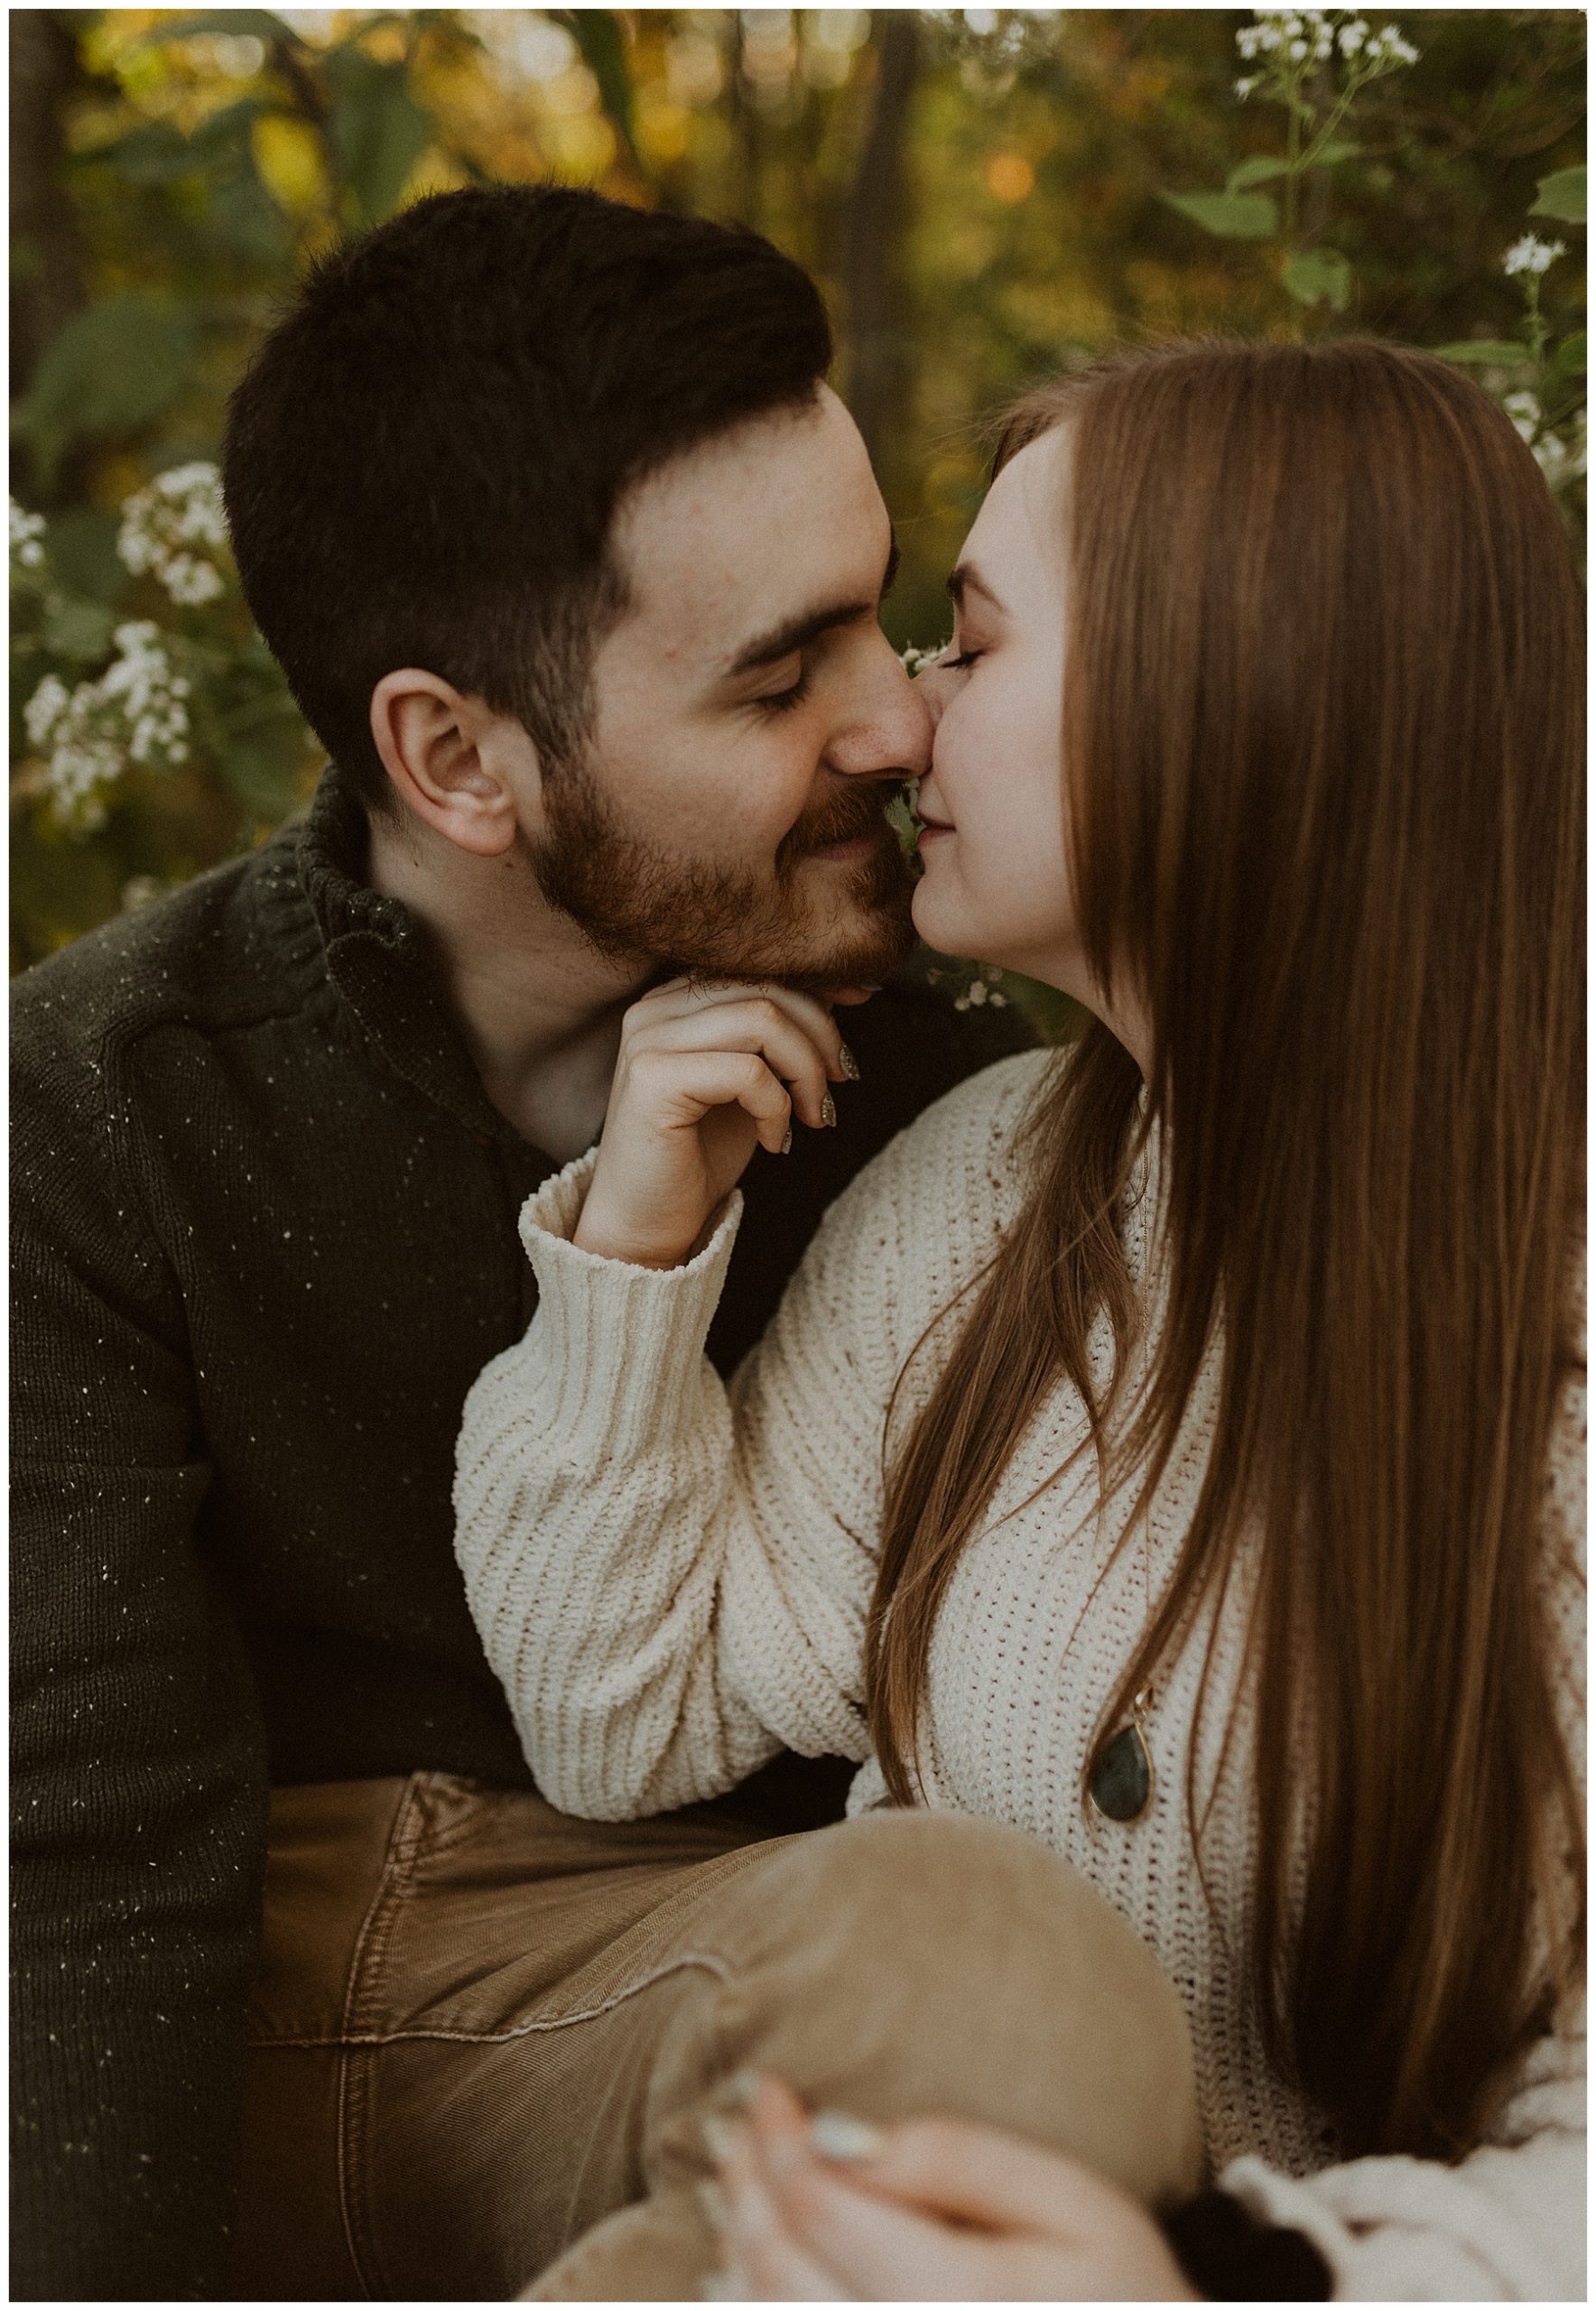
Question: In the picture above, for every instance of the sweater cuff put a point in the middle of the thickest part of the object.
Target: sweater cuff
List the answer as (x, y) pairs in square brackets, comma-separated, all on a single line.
[(611, 1334), (1230, 2256)]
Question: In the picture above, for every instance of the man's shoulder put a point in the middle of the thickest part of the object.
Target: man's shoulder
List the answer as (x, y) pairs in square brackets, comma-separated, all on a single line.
[(224, 948)]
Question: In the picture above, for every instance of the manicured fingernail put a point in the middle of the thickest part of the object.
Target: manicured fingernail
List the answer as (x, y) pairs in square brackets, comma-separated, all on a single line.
[(827, 1110), (719, 2136), (849, 1064), (836, 2134), (741, 2088), (787, 1142)]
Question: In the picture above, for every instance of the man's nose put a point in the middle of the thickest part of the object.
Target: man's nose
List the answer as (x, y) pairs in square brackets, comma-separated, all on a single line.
[(892, 735)]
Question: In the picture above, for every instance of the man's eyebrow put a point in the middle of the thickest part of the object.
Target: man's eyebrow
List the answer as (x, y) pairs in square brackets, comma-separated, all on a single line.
[(779, 642), (966, 577)]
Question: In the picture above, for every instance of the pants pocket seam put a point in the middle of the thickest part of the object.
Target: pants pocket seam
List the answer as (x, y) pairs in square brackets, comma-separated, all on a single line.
[(703, 1961), (404, 1849)]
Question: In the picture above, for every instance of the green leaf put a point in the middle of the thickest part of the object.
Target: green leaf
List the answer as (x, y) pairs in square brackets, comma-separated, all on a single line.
[(114, 367), (236, 23), (263, 768), (247, 220), (597, 34), (79, 630), (1314, 275), (1562, 196), (1569, 360), (1339, 149), (83, 553), (378, 130), (1486, 352), (155, 153), (226, 130), (1260, 170), (1233, 216)]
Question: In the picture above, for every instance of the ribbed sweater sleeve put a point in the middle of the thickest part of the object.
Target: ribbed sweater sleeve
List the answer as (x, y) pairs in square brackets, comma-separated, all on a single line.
[(138, 1774), (671, 1581)]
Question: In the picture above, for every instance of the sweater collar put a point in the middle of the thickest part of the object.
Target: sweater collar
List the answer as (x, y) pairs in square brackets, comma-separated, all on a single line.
[(381, 962)]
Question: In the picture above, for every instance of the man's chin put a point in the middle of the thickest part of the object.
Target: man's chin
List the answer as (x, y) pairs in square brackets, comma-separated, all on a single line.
[(864, 953), (880, 948)]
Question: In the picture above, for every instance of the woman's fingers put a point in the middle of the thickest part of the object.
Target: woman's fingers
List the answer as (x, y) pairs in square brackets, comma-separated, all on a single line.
[(869, 2247), (981, 2175), (680, 1089), (682, 998), (874, 2250), (776, 2265), (753, 1024), (934, 2210)]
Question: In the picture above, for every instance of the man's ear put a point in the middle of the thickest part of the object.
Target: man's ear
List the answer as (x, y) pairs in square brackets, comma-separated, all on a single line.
[(456, 763)]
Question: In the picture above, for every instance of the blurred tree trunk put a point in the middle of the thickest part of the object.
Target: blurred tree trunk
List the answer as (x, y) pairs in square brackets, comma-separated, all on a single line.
[(47, 286), (748, 156), (879, 373)]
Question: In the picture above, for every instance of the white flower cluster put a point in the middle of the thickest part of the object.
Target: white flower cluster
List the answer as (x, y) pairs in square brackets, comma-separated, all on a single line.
[(26, 531), (136, 711), (982, 989), (1298, 34), (1297, 37), (1532, 255), (171, 526)]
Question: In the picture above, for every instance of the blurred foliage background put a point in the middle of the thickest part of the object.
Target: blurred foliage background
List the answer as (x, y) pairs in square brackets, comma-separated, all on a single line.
[(985, 195)]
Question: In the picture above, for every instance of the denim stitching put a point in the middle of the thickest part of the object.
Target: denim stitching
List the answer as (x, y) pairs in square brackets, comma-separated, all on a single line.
[(702, 1959), (398, 1868)]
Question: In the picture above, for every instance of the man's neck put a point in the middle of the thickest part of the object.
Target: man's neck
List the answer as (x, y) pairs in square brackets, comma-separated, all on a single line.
[(539, 1007)]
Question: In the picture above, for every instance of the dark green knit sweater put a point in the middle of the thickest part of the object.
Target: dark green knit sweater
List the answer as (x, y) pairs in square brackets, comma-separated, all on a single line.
[(264, 1230)]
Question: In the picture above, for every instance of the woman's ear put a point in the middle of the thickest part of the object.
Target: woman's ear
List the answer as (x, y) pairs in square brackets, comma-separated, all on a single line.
[(455, 763)]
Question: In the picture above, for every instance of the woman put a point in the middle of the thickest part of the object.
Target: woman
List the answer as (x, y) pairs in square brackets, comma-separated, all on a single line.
[(1169, 1447)]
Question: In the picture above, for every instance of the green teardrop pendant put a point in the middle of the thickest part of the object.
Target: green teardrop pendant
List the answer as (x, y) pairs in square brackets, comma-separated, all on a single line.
[(1121, 1783)]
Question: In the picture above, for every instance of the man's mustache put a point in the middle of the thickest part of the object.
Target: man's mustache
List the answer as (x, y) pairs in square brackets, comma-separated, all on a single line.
[(858, 809)]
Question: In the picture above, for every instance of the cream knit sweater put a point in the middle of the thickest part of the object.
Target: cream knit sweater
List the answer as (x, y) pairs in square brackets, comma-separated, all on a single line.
[(671, 1583)]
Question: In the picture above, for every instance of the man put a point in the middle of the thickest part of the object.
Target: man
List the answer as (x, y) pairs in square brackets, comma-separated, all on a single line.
[(573, 563)]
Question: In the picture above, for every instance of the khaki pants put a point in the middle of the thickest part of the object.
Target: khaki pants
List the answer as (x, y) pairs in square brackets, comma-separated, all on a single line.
[(486, 2036)]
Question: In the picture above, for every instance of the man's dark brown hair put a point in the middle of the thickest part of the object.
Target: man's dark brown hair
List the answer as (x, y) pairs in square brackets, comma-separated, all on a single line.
[(423, 463)]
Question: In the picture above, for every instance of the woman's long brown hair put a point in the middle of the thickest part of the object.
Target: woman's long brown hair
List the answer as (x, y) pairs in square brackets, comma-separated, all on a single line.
[(1323, 768)]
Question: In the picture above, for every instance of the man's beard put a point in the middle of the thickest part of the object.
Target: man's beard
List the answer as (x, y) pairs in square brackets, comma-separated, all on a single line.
[(635, 901)]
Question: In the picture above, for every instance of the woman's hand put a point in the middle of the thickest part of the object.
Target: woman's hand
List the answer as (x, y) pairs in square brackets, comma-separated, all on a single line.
[(933, 2209), (705, 1074)]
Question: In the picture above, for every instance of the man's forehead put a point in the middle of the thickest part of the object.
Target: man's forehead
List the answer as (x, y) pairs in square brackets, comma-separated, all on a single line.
[(755, 527)]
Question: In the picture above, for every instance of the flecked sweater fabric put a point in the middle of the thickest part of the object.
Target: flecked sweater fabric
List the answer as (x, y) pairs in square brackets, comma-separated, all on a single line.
[(672, 1580), (263, 1239)]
